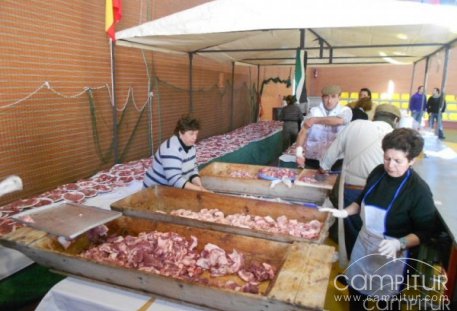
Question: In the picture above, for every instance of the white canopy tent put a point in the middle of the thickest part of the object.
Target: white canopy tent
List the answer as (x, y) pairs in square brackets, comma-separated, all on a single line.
[(333, 32)]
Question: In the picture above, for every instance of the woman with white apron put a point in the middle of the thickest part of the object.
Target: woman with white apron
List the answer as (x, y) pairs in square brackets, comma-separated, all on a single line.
[(398, 213)]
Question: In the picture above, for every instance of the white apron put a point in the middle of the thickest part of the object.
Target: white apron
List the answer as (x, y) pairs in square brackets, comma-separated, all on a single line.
[(369, 272)]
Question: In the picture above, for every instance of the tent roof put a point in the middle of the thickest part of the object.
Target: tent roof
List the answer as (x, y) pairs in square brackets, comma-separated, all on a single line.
[(268, 32)]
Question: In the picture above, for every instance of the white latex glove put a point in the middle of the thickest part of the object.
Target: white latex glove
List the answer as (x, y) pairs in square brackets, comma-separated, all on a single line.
[(274, 183), (10, 184), (286, 181), (335, 212), (389, 248), (299, 156)]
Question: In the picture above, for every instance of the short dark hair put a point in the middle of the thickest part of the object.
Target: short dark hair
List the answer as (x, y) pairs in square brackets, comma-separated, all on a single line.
[(290, 99), (365, 89), (438, 90), (186, 123), (405, 139)]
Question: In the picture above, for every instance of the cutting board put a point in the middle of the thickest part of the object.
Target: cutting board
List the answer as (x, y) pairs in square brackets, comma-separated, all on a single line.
[(67, 219), (312, 178)]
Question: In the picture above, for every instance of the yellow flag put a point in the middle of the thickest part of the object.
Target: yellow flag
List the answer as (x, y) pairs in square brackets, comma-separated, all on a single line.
[(113, 14)]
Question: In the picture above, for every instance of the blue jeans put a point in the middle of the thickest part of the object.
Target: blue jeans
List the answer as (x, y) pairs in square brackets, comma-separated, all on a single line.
[(438, 118), (417, 115)]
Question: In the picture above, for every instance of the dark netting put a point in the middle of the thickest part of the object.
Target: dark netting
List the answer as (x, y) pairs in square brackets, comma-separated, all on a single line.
[(51, 139)]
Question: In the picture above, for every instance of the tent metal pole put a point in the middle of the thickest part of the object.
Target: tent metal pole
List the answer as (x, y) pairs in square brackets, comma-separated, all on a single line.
[(150, 130), (447, 54), (427, 64), (449, 44), (258, 79), (113, 104), (191, 103), (232, 99), (257, 107), (322, 47), (412, 78), (330, 54)]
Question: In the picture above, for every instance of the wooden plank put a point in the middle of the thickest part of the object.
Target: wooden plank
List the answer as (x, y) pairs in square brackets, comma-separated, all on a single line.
[(304, 277), (48, 252), (167, 199), (23, 236), (262, 188), (158, 202), (217, 176), (307, 179)]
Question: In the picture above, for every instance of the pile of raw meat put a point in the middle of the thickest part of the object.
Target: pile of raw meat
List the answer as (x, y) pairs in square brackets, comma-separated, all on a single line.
[(170, 254), (219, 145), (120, 175), (281, 225), (241, 174), (272, 173)]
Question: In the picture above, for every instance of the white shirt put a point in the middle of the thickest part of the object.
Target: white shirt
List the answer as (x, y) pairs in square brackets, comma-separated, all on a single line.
[(320, 136), (360, 145)]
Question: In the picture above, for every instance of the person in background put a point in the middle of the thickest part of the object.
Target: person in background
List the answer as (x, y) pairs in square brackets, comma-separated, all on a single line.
[(320, 128), (398, 214), (292, 117), (417, 105), (362, 106), (360, 146), (174, 162), (436, 105)]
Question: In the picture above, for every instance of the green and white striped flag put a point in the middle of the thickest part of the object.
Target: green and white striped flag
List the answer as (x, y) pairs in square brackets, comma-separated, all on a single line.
[(300, 76)]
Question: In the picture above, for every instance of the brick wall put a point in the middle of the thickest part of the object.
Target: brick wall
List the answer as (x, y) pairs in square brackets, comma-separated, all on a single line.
[(52, 136)]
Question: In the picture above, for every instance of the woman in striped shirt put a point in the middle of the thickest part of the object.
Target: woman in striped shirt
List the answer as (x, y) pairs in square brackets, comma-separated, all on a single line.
[(174, 162)]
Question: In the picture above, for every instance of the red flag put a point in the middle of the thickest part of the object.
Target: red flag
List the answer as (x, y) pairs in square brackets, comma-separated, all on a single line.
[(113, 14)]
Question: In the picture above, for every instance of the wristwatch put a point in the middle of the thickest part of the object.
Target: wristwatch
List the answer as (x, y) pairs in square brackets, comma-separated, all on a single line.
[(402, 243)]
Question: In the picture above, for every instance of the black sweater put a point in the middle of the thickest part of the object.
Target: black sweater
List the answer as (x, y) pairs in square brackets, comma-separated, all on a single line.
[(413, 211), (433, 104)]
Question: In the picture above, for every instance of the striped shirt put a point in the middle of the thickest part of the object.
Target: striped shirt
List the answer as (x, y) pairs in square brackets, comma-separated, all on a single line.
[(173, 165)]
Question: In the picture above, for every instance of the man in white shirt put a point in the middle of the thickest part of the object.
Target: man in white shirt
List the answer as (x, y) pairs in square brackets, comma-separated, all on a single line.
[(320, 128)]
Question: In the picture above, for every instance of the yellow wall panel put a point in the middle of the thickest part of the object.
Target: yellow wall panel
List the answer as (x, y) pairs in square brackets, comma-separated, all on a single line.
[(451, 107), (450, 98)]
